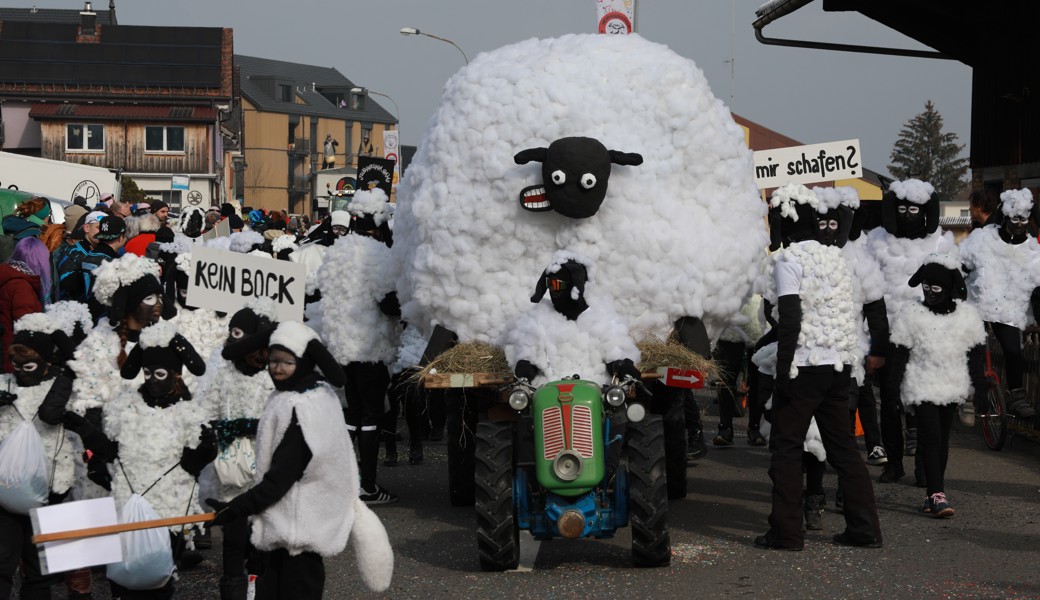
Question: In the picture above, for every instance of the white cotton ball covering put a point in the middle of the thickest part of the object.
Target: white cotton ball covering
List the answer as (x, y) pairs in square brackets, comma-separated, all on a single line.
[(1016, 203), (913, 190)]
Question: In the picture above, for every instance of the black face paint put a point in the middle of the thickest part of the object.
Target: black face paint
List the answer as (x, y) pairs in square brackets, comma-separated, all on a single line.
[(828, 231), (937, 298), (149, 311), (1015, 227), (158, 382), (910, 219), (29, 373)]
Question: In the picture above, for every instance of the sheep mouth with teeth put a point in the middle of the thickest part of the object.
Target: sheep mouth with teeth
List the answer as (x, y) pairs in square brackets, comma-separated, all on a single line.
[(575, 171)]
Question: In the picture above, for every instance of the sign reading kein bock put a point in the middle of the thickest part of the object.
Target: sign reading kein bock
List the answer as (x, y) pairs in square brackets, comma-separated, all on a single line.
[(223, 280), (814, 163)]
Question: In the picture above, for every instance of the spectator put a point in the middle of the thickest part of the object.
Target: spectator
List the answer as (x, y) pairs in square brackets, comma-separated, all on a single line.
[(75, 212), (121, 209), (227, 211), (25, 281), (162, 211), (28, 219), (141, 208), (140, 232), (984, 208), (107, 199), (52, 236), (329, 154)]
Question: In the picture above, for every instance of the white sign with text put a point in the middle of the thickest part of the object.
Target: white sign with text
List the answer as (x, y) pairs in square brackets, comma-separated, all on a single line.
[(814, 163), (223, 280)]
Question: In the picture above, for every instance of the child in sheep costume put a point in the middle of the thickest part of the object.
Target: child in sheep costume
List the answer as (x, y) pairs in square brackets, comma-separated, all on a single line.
[(232, 396), (575, 332), (361, 325), (840, 206), (203, 327), (1003, 267), (934, 342), (36, 355), (815, 350), (305, 504), (910, 232), (684, 228)]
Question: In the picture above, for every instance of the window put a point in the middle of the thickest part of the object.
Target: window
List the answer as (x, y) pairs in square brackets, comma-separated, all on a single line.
[(83, 137), (170, 197), (164, 139), (285, 92)]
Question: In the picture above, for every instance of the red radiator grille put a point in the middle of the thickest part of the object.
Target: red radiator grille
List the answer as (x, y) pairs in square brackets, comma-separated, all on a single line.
[(552, 432), (581, 431)]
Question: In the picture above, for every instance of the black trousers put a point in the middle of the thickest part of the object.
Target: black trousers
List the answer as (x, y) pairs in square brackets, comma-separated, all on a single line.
[(366, 387), (16, 546), (285, 577), (891, 413), (823, 393), (730, 357), (933, 441), (237, 553), (866, 404), (1010, 340)]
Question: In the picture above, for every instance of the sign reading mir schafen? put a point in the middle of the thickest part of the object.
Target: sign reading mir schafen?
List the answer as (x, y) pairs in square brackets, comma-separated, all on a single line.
[(814, 163), (224, 280)]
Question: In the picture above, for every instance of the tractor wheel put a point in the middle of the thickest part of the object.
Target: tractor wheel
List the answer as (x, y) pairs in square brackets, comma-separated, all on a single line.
[(647, 493), (460, 421), (498, 536)]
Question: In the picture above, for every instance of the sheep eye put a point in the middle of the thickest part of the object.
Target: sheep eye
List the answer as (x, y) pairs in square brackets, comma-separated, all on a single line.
[(237, 333), (588, 181), (559, 177)]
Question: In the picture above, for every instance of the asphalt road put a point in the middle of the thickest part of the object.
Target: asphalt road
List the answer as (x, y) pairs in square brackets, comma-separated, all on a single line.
[(989, 549)]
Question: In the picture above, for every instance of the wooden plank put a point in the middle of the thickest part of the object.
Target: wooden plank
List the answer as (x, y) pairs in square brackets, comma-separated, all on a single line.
[(75, 534), (468, 380)]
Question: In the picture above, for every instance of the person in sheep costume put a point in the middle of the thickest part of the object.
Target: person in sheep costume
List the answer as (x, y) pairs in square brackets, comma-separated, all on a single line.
[(815, 350), (575, 332), (1003, 267), (306, 502), (910, 232), (361, 325), (840, 208), (36, 355), (232, 396), (204, 328), (934, 342), (515, 166)]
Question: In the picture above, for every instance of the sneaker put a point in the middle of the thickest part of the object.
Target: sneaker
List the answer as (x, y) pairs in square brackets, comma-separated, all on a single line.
[(891, 473), (928, 507), (696, 449), (812, 508), (877, 456), (724, 437), (966, 413), (769, 542), (910, 445), (940, 507), (755, 437), (377, 496)]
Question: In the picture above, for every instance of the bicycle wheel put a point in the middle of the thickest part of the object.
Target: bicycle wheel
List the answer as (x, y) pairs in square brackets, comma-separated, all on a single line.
[(993, 417)]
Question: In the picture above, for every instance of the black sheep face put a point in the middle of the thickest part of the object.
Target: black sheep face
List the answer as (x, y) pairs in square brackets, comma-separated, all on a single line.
[(575, 171)]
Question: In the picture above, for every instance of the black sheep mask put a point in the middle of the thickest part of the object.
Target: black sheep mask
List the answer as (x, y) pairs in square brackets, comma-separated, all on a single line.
[(575, 171)]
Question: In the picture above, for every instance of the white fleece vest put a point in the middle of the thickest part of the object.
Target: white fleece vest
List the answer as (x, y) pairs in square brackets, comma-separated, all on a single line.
[(318, 511), (1001, 276), (938, 368), (61, 448)]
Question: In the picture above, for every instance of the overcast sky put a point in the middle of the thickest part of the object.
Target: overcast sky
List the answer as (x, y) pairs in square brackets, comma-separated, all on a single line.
[(811, 95)]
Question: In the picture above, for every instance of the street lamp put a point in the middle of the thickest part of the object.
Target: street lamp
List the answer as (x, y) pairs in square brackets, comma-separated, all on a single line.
[(414, 31)]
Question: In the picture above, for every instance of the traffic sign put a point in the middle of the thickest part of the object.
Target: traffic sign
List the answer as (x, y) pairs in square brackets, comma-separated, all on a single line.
[(690, 379)]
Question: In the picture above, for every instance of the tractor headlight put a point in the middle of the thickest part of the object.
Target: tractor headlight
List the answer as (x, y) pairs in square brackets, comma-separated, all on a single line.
[(615, 396), (519, 398), (567, 465)]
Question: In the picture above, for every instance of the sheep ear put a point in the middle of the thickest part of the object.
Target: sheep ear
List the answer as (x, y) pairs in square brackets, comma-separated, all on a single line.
[(531, 154), (960, 291), (915, 280), (775, 229), (189, 356), (540, 288), (888, 212), (625, 158), (132, 366), (324, 360), (931, 214)]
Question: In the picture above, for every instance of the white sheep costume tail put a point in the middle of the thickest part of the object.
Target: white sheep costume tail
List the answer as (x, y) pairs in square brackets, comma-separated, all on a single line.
[(375, 557)]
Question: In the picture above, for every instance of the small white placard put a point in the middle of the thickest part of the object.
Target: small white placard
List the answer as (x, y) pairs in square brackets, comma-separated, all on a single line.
[(224, 281), (69, 555), (815, 163)]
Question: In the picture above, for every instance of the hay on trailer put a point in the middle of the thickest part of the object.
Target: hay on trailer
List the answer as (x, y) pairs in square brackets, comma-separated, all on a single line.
[(467, 357), (670, 353)]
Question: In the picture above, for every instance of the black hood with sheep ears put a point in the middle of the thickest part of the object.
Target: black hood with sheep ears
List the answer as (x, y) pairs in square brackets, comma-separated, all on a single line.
[(950, 279), (575, 171), (890, 214), (174, 356), (574, 275)]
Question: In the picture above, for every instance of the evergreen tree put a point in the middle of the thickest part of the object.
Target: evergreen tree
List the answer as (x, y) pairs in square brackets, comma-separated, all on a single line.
[(924, 152), (129, 192)]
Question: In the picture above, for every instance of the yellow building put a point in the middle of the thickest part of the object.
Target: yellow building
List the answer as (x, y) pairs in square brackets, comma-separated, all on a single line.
[(288, 109)]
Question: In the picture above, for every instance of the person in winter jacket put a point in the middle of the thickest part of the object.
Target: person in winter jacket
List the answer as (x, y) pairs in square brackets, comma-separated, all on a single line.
[(33, 354), (28, 219), (938, 352), (1002, 263), (305, 503), (25, 285), (815, 342), (910, 232)]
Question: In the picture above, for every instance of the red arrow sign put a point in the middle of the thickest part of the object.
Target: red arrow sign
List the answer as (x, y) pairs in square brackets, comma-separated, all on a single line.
[(683, 378)]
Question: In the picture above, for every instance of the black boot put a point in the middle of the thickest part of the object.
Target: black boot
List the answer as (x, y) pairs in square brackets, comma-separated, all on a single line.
[(696, 449), (389, 449), (812, 506), (234, 588), (415, 453), (368, 456)]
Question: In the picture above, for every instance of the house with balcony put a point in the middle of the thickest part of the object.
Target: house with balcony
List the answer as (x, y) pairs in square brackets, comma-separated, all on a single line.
[(149, 101), (287, 110)]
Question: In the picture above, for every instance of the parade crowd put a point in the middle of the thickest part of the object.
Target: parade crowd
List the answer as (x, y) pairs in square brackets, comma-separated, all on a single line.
[(276, 426)]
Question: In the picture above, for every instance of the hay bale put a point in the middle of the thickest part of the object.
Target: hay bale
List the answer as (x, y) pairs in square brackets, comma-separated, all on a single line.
[(670, 353), (468, 357)]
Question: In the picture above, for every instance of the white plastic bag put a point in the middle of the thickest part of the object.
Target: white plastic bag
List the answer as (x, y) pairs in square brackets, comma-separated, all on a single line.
[(235, 466), (23, 470), (147, 553)]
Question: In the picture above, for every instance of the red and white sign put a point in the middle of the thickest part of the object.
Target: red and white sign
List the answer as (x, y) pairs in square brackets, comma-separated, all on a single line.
[(690, 379), (615, 17)]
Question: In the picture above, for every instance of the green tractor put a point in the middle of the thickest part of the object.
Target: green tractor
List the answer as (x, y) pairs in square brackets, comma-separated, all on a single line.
[(570, 459)]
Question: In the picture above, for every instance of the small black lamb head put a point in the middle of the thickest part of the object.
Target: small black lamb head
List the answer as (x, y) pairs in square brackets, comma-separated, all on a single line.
[(575, 171)]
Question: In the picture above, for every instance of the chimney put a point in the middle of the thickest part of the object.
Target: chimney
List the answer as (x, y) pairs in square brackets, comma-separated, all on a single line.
[(112, 12), (88, 20)]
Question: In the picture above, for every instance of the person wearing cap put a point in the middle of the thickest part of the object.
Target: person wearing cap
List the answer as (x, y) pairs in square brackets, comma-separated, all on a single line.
[(76, 260), (161, 210), (22, 393), (305, 504), (28, 219), (107, 199), (111, 236)]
